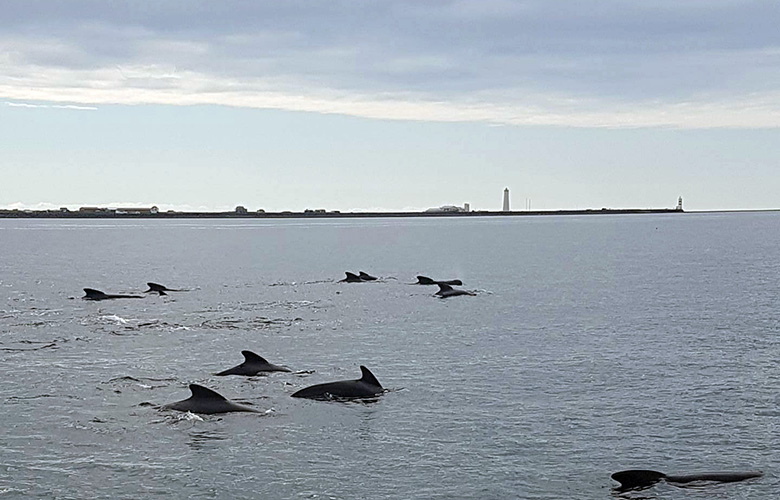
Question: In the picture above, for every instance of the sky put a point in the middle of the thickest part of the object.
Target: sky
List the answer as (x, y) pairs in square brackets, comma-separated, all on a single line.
[(390, 105)]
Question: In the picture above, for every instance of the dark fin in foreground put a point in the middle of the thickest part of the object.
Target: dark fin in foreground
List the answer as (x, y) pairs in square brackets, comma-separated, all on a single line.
[(206, 401), (92, 294), (351, 278), (251, 357), (368, 377), (252, 365), (367, 386), (638, 479), (366, 276)]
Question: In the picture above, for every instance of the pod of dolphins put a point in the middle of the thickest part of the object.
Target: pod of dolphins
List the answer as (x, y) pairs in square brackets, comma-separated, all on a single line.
[(206, 401)]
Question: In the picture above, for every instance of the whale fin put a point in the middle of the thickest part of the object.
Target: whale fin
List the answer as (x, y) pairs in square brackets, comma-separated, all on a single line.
[(200, 392), (249, 356), (368, 377), (92, 294), (637, 478)]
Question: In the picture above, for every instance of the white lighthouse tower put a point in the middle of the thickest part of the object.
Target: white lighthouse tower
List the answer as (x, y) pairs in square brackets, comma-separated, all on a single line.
[(505, 208)]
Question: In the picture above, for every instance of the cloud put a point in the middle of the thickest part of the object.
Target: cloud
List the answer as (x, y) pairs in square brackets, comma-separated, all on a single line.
[(616, 63), (55, 106)]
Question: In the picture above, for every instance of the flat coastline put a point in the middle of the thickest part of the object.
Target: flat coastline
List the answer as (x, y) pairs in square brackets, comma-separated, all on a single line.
[(56, 214)]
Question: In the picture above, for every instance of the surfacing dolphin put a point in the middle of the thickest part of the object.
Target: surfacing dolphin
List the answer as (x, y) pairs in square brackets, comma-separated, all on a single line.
[(365, 387), (447, 291), (252, 365), (424, 280), (351, 278), (92, 294), (206, 401), (638, 479), (366, 277), (161, 289)]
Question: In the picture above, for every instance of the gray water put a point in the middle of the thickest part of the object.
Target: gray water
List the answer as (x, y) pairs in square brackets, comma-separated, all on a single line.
[(594, 344)]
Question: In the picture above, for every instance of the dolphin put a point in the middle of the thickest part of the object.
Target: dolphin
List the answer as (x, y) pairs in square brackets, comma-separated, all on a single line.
[(447, 291), (365, 387), (161, 289), (252, 365), (424, 280), (351, 278), (204, 400), (641, 479), (366, 276), (92, 294)]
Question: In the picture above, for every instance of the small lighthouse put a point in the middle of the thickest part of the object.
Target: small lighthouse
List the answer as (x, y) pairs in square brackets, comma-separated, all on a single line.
[(679, 207), (505, 208)]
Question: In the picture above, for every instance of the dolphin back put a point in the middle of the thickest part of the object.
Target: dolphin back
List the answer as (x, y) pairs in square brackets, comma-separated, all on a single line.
[(640, 478), (206, 401), (722, 477), (365, 387)]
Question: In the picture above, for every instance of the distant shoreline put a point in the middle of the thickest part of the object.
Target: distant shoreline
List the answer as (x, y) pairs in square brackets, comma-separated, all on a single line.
[(56, 214)]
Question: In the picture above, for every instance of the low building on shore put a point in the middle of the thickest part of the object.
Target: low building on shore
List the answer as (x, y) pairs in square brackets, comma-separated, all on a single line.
[(449, 209), (137, 211)]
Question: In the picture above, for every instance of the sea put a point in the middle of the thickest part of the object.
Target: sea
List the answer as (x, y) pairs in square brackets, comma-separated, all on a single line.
[(593, 344)]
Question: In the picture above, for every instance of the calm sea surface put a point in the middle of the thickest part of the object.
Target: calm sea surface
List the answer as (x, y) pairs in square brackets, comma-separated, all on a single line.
[(594, 344)]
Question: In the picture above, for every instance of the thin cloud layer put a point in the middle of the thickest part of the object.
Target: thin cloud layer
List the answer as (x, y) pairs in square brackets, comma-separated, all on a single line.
[(617, 63)]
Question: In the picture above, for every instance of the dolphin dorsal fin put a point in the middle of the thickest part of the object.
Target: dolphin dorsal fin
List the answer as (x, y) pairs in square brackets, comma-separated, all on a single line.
[(424, 280), (637, 478), (91, 292), (352, 275), (200, 392), (443, 287), (250, 356), (368, 377)]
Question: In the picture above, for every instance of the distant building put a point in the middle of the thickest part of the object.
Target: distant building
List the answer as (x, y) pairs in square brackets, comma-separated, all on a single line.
[(679, 204), (93, 210), (241, 210), (137, 210), (446, 209), (505, 208), (466, 207)]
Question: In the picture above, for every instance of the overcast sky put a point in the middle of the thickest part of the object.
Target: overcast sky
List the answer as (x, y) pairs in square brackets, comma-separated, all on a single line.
[(396, 105)]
